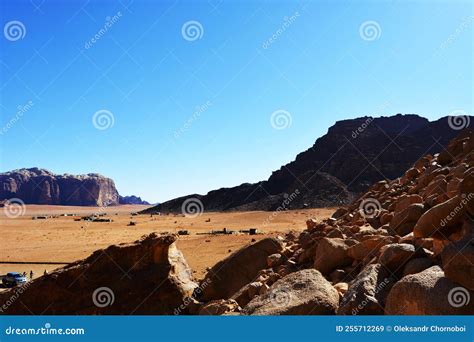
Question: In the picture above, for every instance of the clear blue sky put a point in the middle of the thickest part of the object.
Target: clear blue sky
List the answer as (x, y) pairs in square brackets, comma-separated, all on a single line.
[(321, 67)]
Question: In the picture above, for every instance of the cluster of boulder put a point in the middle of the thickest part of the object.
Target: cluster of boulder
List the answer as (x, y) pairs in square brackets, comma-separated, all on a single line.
[(405, 247)]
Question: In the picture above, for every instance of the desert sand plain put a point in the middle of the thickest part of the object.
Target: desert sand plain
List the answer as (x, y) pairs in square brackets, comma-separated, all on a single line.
[(62, 239)]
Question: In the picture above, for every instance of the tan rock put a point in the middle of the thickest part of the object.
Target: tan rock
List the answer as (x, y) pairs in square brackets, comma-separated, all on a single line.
[(332, 253), (219, 307), (429, 293), (442, 218), (241, 267), (304, 292)]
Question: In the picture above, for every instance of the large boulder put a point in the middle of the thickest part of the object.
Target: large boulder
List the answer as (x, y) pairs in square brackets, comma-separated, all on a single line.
[(332, 254), (241, 267), (442, 219), (304, 292), (458, 262), (370, 246), (429, 293), (404, 201), (149, 276), (417, 265), (366, 294), (396, 255), (404, 220)]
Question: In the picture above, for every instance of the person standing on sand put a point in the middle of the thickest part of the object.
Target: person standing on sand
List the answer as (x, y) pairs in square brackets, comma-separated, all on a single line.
[(31, 274)]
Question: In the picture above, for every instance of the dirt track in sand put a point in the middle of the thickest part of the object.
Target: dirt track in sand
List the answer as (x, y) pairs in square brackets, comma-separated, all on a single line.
[(62, 239)]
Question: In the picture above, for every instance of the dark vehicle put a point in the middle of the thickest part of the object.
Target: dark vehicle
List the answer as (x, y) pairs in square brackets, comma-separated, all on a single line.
[(14, 279)]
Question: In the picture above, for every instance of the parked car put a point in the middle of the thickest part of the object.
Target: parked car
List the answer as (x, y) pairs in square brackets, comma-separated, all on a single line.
[(13, 279)]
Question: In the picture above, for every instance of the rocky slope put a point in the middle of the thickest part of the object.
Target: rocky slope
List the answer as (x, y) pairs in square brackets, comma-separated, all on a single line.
[(40, 186), (340, 165), (405, 247)]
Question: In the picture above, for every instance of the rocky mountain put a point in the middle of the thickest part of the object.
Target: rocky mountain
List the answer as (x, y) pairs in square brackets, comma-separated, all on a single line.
[(340, 165), (132, 200), (40, 186)]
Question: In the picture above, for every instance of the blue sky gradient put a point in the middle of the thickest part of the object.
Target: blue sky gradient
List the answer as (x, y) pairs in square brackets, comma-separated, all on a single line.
[(194, 115)]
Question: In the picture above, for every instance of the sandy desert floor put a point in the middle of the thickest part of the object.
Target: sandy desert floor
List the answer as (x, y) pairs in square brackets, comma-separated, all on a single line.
[(62, 239)]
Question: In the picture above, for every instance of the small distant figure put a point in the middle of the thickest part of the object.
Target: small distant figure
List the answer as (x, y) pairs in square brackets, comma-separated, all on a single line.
[(24, 274), (45, 272), (31, 275)]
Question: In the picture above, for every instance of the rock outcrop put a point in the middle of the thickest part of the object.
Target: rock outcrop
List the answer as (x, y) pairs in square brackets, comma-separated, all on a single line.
[(353, 155), (149, 276), (39, 186)]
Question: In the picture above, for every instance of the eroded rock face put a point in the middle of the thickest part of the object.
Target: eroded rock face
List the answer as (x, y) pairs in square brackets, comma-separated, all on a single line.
[(148, 277), (429, 293), (304, 292), (238, 269), (39, 186)]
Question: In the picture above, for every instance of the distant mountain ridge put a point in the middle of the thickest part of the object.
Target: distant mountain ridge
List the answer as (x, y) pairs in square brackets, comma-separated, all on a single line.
[(132, 200), (353, 155), (40, 186)]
